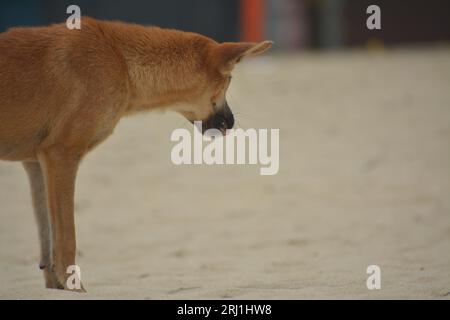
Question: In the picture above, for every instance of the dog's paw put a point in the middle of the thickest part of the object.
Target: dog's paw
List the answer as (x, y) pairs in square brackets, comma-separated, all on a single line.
[(57, 279)]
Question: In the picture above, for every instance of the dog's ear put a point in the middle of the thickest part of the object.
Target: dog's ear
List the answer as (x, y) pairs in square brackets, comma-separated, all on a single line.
[(229, 53)]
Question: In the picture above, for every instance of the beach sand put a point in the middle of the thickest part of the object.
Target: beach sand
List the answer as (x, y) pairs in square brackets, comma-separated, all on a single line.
[(364, 180)]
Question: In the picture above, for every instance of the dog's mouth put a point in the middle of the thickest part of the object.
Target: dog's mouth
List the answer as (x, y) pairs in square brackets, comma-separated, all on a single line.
[(221, 120)]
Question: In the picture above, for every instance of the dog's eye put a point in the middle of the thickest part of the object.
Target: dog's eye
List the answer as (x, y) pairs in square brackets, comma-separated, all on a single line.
[(214, 104)]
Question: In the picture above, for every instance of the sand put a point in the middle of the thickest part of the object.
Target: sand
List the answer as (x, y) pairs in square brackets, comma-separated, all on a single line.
[(364, 180)]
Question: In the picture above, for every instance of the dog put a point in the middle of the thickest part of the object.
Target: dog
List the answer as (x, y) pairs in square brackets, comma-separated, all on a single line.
[(63, 91)]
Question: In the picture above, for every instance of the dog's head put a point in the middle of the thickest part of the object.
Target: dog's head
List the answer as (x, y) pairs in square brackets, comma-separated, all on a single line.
[(210, 106)]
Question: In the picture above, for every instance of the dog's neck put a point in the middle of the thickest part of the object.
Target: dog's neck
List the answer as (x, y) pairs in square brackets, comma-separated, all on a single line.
[(164, 66)]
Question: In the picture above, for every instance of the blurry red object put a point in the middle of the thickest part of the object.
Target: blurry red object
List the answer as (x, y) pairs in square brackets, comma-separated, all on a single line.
[(252, 20)]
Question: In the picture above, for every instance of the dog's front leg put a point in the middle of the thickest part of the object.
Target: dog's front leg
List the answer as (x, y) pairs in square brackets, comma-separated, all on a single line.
[(60, 168)]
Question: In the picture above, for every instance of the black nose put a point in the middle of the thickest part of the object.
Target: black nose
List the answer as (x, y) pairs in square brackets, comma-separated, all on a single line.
[(222, 120)]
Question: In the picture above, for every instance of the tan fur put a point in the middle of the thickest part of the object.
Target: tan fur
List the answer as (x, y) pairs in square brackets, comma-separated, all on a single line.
[(63, 91)]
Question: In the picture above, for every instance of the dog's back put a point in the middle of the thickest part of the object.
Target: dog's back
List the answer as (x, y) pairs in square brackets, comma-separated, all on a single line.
[(42, 72), (23, 53)]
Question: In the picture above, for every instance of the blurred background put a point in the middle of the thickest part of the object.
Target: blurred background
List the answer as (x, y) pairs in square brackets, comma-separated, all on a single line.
[(364, 163), (292, 24)]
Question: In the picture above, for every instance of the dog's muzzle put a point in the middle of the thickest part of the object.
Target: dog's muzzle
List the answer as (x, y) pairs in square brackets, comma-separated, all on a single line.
[(222, 119)]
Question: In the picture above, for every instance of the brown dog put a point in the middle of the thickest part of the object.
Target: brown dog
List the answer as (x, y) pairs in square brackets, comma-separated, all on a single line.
[(63, 91)]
